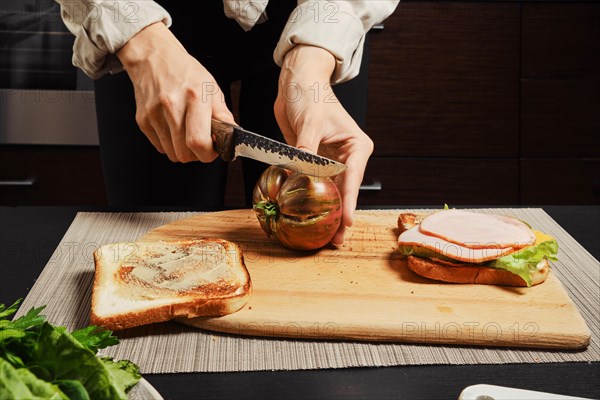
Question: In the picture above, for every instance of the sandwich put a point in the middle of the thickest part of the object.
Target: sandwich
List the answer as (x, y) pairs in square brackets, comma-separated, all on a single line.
[(139, 283), (460, 246)]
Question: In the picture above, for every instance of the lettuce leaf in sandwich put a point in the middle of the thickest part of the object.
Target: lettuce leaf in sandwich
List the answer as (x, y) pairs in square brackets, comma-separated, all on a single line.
[(522, 262), (526, 260)]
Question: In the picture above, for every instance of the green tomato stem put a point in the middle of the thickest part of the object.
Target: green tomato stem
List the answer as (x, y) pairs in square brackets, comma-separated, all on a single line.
[(271, 212)]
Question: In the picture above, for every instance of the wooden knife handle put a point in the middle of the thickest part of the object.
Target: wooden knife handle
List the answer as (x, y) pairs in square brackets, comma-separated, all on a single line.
[(222, 135)]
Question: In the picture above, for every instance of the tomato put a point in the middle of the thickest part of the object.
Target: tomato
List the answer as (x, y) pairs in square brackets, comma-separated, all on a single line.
[(301, 211)]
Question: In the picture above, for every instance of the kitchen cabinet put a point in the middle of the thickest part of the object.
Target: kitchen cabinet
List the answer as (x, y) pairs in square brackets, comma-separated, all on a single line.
[(485, 103), (411, 181), (560, 103), (51, 175), (444, 81)]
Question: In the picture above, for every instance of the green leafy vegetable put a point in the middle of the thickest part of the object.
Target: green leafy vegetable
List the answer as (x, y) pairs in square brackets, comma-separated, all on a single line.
[(94, 338), (73, 389), (124, 372), (19, 328), (524, 261), (39, 360), (7, 312), (20, 383)]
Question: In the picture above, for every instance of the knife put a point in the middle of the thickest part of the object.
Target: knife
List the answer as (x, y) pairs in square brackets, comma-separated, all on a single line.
[(232, 141)]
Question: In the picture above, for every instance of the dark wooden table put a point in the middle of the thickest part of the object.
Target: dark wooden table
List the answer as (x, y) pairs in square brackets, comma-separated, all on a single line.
[(29, 235)]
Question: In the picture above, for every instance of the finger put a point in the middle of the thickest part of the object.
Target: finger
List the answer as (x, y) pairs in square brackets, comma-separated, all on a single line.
[(338, 238), (279, 110), (161, 128), (348, 208), (222, 113), (308, 139), (175, 120), (164, 138), (349, 190), (153, 138), (349, 199), (150, 133), (197, 127), (151, 119)]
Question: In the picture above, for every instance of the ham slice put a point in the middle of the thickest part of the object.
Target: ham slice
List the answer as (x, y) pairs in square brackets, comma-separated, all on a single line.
[(477, 231), (414, 237)]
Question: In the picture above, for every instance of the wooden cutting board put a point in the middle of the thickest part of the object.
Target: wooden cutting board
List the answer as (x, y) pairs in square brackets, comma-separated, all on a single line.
[(364, 291)]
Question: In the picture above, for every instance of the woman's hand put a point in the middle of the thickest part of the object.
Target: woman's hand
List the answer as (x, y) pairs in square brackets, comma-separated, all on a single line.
[(176, 96), (311, 118)]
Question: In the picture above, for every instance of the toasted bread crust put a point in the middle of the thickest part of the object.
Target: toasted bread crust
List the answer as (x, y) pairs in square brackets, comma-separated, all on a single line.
[(409, 220), (186, 304), (190, 309), (471, 274)]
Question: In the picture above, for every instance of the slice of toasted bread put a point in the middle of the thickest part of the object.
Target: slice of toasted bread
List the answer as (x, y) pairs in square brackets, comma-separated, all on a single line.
[(139, 283), (472, 274)]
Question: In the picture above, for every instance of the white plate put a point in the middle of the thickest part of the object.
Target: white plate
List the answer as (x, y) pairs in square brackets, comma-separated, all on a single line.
[(492, 392), (143, 390)]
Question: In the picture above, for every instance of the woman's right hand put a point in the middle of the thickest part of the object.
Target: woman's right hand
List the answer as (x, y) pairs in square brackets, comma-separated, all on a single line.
[(176, 97)]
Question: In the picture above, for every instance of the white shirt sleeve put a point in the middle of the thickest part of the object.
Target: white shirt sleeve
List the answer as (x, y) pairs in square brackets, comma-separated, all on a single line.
[(337, 26), (101, 28)]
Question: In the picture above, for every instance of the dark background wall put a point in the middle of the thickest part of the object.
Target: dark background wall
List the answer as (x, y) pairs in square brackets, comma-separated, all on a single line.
[(469, 103)]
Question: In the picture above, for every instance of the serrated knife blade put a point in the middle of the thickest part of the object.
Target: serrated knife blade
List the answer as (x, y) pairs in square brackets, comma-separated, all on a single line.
[(232, 141)]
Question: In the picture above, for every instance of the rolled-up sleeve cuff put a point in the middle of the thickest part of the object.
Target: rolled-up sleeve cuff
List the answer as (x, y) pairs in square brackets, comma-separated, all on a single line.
[(107, 28), (337, 30)]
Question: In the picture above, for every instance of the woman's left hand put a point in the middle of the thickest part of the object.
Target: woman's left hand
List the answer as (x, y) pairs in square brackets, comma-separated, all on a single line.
[(312, 119)]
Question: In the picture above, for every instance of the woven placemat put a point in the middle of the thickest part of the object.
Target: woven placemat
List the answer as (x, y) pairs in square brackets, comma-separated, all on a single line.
[(66, 282)]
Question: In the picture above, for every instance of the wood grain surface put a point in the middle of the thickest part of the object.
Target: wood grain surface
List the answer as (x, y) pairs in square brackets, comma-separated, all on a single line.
[(364, 291)]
